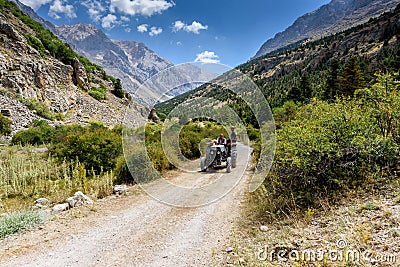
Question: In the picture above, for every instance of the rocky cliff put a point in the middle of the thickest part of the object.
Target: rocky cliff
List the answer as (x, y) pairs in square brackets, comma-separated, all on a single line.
[(29, 75), (334, 17)]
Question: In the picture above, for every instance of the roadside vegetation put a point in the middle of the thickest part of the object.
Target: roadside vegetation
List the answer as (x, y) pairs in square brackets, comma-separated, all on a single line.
[(336, 104), (19, 221), (55, 162)]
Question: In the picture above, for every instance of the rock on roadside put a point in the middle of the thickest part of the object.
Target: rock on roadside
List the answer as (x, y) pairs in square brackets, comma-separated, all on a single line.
[(60, 207), (79, 199)]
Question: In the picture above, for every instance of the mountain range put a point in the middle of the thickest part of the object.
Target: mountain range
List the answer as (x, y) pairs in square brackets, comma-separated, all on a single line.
[(132, 62), (334, 17)]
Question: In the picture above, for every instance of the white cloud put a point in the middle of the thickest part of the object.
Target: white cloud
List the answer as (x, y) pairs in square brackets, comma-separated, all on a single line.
[(178, 25), (128, 30), (195, 27), (125, 19), (140, 7), (142, 28), (109, 21), (95, 9), (207, 57), (58, 7), (35, 4), (154, 31)]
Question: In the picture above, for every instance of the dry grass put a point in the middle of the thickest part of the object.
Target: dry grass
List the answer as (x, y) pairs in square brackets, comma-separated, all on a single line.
[(364, 223), (28, 173)]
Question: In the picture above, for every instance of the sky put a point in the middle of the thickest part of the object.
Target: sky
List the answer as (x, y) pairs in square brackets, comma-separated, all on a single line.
[(228, 32)]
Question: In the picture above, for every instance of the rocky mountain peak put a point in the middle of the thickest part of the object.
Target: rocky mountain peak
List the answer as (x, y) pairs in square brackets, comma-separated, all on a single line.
[(336, 16), (80, 31)]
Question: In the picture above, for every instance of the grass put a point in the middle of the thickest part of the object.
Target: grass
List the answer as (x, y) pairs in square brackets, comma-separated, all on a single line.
[(19, 221), (367, 222), (27, 174), (40, 108)]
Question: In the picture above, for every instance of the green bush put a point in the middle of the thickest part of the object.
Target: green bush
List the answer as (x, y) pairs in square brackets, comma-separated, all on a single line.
[(96, 147), (40, 133), (328, 148), (36, 43), (98, 93), (18, 221), (41, 108), (5, 125), (139, 166), (122, 173), (118, 90)]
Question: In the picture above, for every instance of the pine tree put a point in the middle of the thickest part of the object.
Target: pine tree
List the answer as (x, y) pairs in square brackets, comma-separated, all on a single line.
[(351, 78), (332, 81)]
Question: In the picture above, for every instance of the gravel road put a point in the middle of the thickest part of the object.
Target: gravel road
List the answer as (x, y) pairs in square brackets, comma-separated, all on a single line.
[(139, 230)]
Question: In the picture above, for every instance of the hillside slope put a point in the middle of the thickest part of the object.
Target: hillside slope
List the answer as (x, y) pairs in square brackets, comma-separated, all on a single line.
[(278, 73), (40, 72), (329, 19)]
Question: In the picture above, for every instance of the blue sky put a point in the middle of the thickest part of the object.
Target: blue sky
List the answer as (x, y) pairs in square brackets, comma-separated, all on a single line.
[(225, 31)]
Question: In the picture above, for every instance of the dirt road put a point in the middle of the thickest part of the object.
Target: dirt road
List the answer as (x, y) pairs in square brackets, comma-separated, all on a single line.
[(138, 230)]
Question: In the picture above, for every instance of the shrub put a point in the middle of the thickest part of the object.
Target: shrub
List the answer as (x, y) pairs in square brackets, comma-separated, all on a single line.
[(19, 221), (41, 108), (5, 125), (96, 147), (39, 134), (328, 148), (118, 90), (122, 173), (98, 93)]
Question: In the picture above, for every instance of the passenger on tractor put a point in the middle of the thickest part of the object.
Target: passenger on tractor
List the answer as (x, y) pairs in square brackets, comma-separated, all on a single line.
[(221, 140)]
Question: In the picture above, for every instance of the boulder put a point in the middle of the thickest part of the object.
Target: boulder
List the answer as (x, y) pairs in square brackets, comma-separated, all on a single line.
[(78, 199), (60, 207), (42, 201), (153, 116), (120, 189), (80, 76), (9, 30)]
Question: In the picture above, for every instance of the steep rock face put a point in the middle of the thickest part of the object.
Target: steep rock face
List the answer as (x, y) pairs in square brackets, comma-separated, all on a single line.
[(26, 74), (130, 61), (334, 17)]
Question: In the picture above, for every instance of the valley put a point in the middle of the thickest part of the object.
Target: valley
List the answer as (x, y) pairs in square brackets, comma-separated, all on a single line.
[(85, 114)]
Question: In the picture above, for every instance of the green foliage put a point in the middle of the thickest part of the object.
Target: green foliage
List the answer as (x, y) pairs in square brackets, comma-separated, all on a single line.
[(99, 93), (301, 92), (118, 90), (332, 84), (192, 133), (36, 43), (96, 147), (351, 78), (331, 147), (5, 125), (122, 172), (19, 221), (39, 134), (285, 113), (139, 165), (41, 108)]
